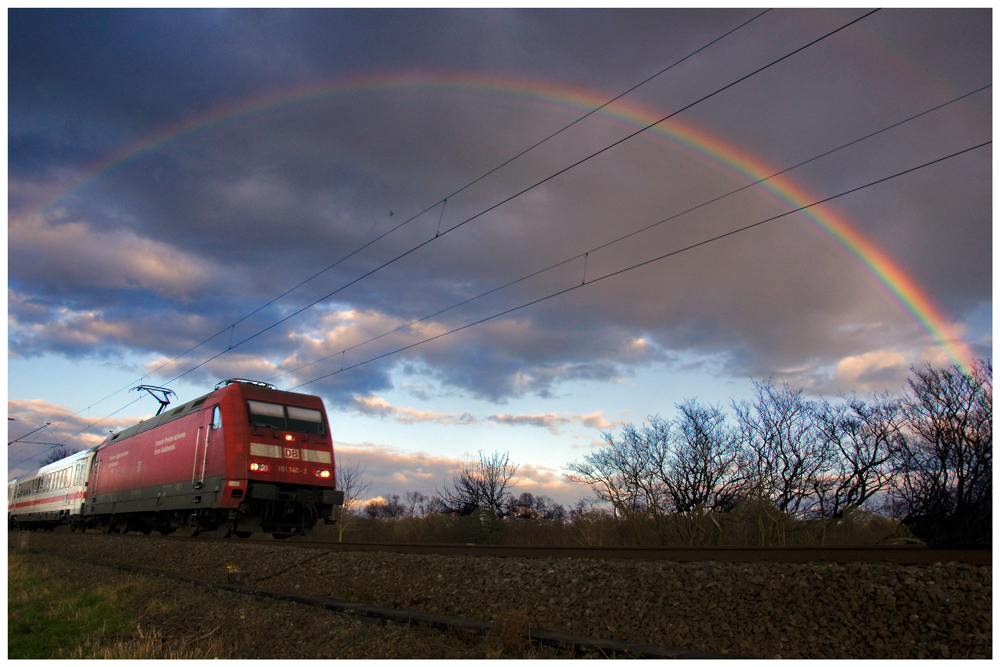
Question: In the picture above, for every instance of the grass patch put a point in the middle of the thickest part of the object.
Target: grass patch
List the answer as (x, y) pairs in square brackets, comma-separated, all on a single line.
[(48, 617)]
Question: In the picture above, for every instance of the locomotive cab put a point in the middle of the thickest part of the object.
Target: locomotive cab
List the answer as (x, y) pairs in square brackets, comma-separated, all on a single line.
[(290, 466)]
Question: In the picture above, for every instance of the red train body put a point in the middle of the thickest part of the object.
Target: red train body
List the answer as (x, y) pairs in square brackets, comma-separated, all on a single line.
[(245, 458)]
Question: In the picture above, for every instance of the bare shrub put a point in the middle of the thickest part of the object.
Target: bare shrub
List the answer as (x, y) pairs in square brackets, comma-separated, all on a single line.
[(510, 631), (352, 481), (865, 527)]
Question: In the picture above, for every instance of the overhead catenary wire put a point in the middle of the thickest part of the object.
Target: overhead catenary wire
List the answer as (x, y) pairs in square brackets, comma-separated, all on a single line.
[(444, 201), (675, 216), (518, 194), (645, 263), (524, 191), (232, 327)]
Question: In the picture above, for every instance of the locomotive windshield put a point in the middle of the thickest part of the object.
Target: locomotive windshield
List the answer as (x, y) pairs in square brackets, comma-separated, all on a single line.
[(286, 417)]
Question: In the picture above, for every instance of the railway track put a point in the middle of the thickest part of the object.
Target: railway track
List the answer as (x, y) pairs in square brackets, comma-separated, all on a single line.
[(765, 602), (900, 555)]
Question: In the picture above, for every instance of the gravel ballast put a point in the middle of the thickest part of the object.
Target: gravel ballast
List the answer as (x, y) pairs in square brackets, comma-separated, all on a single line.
[(767, 610)]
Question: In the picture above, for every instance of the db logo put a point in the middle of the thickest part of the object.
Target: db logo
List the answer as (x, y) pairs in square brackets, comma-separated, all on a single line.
[(291, 453)]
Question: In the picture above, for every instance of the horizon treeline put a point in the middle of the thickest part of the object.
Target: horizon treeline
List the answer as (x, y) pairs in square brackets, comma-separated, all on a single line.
[(924, 458)]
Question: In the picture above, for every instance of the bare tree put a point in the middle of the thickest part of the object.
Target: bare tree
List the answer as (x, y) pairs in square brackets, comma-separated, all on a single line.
[(782, 451), (863, 439), (416, 503), (663, 466), (434, 505), (530, 506), (386, 508), (481, 484), (56, 454), (352, 481), (702, 467), (624, 473), (946, 464)]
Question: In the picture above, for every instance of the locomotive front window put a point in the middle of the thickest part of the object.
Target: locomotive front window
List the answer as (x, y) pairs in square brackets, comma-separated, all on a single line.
[(271, 415), (305, 420), (285, 417)]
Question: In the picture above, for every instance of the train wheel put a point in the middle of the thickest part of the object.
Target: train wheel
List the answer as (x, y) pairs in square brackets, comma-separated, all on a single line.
[(242, 534)]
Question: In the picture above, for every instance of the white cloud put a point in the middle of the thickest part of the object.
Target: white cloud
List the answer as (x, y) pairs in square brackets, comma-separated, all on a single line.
[(376, 405), (79, 254), (872, 370), (553, 421)]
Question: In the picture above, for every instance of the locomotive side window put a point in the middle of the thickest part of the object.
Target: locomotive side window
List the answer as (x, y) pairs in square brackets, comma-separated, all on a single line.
[(216, 417)]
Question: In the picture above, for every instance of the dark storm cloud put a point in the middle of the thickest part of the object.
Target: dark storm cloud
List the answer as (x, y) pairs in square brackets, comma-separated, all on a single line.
[(183, 241)]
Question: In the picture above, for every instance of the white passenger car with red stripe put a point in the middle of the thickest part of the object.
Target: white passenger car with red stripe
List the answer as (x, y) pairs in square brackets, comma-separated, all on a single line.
[(52, 495)]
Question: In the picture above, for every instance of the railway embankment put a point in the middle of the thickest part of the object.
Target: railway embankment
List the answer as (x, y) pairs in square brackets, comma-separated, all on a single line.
[(767, 610)]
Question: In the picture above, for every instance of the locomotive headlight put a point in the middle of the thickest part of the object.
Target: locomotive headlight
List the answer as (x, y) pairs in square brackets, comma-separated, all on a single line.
[(323, 473), (259, 467), (289, 437)]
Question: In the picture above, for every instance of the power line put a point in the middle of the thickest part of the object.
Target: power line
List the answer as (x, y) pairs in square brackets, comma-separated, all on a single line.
[(441, 202), (105, 418), (644, 263), (508, 199), (522, 192), (232, 327), (26, 434), (638, 231), (518, 194)]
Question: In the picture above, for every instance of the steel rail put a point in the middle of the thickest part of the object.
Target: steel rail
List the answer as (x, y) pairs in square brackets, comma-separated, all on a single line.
[(900, 555)]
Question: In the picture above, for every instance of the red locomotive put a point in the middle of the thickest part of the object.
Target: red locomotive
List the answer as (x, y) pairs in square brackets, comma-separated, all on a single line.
[(245, 458)]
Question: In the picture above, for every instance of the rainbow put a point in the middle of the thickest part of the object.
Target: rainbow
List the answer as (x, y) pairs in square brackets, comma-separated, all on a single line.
[(898, 285)]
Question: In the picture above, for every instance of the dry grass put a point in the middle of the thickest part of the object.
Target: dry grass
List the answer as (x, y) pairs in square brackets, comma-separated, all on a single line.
[(752, 523), (509, 631)]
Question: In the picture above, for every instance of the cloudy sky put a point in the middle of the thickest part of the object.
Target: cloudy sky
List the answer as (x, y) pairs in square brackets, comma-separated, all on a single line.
[(305, 197)]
